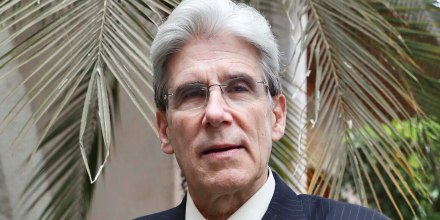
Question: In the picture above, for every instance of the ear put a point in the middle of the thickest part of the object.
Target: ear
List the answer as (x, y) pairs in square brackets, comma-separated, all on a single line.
[(279, 117), (162, 127)]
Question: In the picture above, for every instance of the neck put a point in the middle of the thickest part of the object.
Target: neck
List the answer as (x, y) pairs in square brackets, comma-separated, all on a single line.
[(222, 205), (219, 208)]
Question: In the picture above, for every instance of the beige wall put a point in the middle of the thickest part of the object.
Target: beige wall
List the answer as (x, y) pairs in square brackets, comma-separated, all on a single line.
[(139, 178), (15, 167)]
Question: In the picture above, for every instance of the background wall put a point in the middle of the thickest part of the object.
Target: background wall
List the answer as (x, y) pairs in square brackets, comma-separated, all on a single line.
[(138, 179)]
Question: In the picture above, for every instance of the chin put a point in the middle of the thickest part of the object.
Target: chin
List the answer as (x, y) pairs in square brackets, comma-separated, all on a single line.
[(229, 180)]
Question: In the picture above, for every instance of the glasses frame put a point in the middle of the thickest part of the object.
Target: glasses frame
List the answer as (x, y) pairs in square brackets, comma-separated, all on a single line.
[(207, 86)]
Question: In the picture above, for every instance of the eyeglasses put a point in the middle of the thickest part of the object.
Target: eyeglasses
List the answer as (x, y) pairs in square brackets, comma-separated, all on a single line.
[(237, 92)]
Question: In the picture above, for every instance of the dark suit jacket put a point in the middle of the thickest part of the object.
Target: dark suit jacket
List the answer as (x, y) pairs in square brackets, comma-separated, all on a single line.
[(285, 204)]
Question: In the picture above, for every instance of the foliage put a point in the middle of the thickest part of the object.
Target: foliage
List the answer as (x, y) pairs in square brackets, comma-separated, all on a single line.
[(419, 133)]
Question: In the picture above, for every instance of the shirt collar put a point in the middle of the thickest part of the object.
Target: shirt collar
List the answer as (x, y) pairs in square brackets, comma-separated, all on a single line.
[(254, 208)]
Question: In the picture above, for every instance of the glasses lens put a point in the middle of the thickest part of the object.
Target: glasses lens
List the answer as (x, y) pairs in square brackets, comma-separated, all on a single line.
[(189, 96), (237, 92), (240, 91)]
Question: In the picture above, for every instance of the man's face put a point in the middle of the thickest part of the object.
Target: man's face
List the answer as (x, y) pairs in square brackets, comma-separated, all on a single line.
[(221, 148)]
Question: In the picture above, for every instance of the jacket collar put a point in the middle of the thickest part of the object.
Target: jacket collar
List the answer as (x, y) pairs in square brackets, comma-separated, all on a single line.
[(285, 204)]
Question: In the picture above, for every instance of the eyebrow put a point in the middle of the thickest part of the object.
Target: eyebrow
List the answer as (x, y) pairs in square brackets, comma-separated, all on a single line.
[(181, 86), (224, 78), (237, 75)]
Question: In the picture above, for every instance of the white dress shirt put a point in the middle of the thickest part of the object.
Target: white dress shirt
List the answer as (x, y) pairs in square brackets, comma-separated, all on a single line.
[(254, 208)]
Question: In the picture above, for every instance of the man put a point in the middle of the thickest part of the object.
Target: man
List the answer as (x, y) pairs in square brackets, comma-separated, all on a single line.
[(220, 107)]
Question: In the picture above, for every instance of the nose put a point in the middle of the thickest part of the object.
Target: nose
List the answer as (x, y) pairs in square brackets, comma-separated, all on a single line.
[(216, 111)]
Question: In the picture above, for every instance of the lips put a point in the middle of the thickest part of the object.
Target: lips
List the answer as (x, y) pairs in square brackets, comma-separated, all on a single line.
[(220, 149)]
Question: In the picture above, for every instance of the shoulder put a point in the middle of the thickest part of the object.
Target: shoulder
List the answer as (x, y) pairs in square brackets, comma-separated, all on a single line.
[(175, 213), (170, 214), (286, 203), (324, 208)]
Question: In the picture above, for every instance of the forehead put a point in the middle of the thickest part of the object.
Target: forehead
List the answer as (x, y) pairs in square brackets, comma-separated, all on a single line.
[(212, 60)]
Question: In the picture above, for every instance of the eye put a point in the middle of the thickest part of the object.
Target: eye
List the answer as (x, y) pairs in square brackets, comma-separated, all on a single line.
[(238, 86), (190, 92)]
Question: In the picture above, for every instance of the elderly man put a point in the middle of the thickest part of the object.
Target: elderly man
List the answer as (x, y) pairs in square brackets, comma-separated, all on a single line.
[(220, 107)]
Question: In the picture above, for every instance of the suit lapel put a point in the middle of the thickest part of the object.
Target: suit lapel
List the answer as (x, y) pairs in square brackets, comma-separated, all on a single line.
[(285, 204), (176, 213)]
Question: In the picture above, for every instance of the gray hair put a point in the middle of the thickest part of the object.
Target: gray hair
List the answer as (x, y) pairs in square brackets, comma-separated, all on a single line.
[(209, 17)]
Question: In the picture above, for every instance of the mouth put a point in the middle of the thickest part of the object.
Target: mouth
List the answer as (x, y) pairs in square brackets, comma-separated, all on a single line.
[(219, 149)]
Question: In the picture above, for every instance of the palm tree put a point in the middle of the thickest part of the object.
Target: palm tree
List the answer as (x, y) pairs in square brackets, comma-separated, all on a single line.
[(372, 65)]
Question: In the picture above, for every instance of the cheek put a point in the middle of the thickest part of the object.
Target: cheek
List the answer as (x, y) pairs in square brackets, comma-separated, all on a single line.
[(260, 127), (183, 132), (266, 134), (265, 125)]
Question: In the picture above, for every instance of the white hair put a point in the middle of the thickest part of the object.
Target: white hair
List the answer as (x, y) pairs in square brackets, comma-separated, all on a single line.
[(193, 18)]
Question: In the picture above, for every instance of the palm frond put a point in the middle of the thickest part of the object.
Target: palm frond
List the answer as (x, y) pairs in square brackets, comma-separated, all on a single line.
[(363, 72), (73, 54)]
